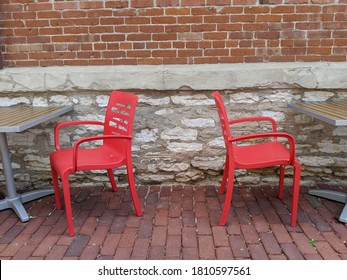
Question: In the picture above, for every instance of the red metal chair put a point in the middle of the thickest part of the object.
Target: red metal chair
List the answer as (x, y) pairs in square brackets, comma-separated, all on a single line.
[(256, 155), (114, 151)]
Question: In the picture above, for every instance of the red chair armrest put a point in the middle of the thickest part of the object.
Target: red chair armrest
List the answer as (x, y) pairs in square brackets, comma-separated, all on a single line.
[(70, 123)]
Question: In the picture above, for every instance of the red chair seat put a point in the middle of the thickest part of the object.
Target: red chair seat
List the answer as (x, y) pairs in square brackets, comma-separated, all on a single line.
[(88, 159), (261, 155)]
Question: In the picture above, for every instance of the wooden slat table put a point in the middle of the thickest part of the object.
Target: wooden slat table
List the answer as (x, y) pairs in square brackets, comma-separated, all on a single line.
[(18, 119), (334, 113)]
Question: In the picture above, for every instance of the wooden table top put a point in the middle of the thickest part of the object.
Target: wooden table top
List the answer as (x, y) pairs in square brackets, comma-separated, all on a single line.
[(334, 113), (20, 118)]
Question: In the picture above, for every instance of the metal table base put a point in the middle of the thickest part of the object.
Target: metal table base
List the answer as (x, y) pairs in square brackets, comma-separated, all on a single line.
[(13, 199), (335, 196), (18, 120)]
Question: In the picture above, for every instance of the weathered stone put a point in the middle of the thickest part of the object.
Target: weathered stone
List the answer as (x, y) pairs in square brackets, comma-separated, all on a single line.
[(331, 148), (244, 97), (153, 101), (5, 101), (303, 76), (208, 163), (340, 131), (189, 176), (316, 161), (40, 102), (174, 167), (179, 147), (196, 100), (217, 143), (164, 112), (199, 122), (102, 100), (316, 96), (313, 127), (60, 99), (277, 97), (146, 136), (179, 133), (278, 116)]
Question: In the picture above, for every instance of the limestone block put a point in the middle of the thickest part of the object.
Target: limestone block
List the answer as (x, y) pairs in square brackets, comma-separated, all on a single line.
[(217, 143), (40, 102), (302, 119), (190, 176), (24, 139), (208, 163), (15, 165), (199, 122), (6, 102), (153, 101), (36, 162), (244, 97), (60, 99), (278, 96), (340, 131), (168, 166), (251, 179), (332, 148), (179, 133), (317, 96), (102, 100), (316, 161), (85, 101), (174, 167), (146, 135), (316, 127), (278, 116), (163, 112), (178, 147), (192, 100)]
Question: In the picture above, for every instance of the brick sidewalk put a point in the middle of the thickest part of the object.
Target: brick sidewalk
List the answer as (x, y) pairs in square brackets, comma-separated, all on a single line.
[(178, 223)]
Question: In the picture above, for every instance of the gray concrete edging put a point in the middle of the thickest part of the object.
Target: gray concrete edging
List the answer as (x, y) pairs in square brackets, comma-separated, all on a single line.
[(173, 77)]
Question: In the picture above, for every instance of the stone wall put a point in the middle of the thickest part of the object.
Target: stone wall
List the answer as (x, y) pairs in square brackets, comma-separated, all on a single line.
[(177, 137)]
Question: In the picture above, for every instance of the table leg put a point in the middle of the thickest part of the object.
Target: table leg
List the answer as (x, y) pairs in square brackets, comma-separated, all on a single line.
[(335, 196), (13, 199)]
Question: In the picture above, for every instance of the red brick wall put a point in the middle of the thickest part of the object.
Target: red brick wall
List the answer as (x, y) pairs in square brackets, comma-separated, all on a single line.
[(64, 32)]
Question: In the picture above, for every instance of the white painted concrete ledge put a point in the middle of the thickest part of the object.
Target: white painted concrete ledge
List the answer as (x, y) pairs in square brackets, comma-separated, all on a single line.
[(173, 77)]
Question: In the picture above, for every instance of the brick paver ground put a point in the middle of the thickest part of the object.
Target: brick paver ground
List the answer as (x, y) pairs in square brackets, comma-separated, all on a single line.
[(178, 223)]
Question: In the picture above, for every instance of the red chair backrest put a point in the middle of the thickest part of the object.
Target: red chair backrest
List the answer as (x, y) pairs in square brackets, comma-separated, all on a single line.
[(120, 113), (223, 117)]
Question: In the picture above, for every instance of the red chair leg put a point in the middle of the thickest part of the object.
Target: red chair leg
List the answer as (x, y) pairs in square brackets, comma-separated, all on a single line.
[(296, 190), (56, 188), (68, 208), (281, 185), (228, 197), (225, 175), (133, 192), (112, 180)]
